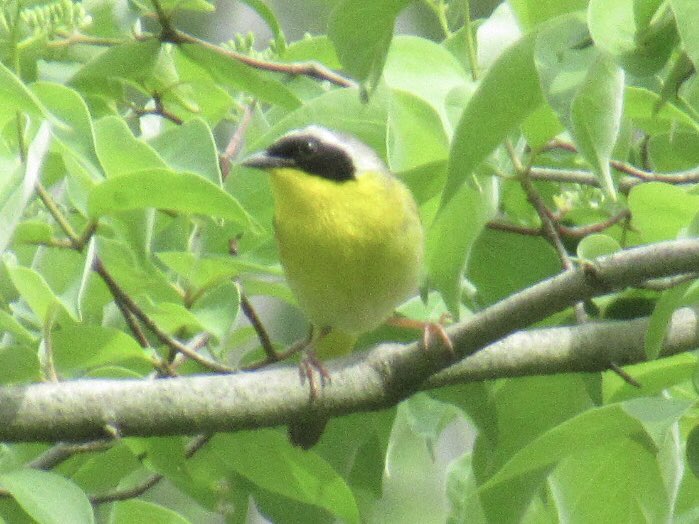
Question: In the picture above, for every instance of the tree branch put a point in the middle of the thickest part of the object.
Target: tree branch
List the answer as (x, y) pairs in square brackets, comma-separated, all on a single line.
[(83, 409)]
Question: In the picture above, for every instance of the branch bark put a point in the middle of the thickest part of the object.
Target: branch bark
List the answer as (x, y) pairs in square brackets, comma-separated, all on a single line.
[(89, 409)]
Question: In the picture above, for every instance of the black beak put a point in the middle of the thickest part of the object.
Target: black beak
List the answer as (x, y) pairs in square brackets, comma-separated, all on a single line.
[(263, 160)]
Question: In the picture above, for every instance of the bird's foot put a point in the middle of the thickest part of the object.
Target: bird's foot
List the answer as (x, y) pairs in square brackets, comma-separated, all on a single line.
[(308, 367), (429, 330)]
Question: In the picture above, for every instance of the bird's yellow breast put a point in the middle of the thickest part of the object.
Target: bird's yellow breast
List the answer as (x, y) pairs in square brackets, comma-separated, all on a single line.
[(352, 251)]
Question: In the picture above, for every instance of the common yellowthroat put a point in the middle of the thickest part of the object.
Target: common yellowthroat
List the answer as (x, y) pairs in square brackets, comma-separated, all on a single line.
[(349, 233)]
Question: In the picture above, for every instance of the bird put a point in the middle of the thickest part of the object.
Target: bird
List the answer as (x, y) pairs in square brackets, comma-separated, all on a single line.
[(349, 235)]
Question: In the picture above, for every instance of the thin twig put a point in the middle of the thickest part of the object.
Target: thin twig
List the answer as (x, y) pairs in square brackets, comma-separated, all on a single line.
[(62, 451), (259, 328), (310, 69), (195, 445), (166, 339), (236, 141)]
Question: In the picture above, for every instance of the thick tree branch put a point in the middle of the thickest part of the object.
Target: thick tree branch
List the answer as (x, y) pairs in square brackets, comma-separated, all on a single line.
[(86, 409)]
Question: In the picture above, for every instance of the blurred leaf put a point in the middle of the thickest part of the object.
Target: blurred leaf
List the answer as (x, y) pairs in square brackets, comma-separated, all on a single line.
[(17, 194), (452, 234), (240, 76), (120, 152), (597, 245), (415, 133), (132, 511), (17, 98), (641, 105), (268, 16), (163, 189), (659, 321), (78, 347), (592, 429), (33, 288), (634, 489), (190, 147), (686, 14), (636, 33), (361, 31), (217, 309), (531, 13), (131, 62), (661, 210), (693, 450), (596, 117), (674, 151), (18, 364), (47, 497), (497, 268), (507, 94), (267, 459), (405, 71)]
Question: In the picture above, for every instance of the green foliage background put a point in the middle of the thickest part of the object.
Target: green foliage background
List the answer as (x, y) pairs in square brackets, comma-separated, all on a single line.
[(116, 151)]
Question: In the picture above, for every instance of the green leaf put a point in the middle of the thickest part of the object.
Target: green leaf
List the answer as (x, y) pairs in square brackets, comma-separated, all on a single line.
[(18, 364), (163, 189), (632, 33), (190, 147), (33, 288), (659, 211), (659, 321), (9, 325), (32, 232), (240, 76), (641, 105), (623, 480), (79, 346), (405, 71), (76, 135), (507, 94), (131, 63), (686, 14), (597, 245), (451, 235), (217, 309), (18, 192), (207, 271), (17, 98), (415, 133), (594, 428), (120, 152), (361, 31), (693, 450), (272, 23), (596, 117), (497, 268), (48, 498), (531, 13), (131, 511), (268, 460)]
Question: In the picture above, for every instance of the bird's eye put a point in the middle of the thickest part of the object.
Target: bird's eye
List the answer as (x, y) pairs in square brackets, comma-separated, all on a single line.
[(308, 147)]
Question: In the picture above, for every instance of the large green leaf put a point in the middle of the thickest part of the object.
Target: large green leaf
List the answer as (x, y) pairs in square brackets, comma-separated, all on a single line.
[(507, 94), (163, 189), (686, 15), (596, 117), (361, 31), (47, 497), (268, 460)]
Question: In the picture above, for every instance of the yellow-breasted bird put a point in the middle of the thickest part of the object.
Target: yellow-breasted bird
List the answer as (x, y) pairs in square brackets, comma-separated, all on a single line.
[(349, 235)]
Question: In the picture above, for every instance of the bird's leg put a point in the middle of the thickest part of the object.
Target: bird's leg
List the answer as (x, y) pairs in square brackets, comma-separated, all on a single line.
[(310, 363), (429, 329)]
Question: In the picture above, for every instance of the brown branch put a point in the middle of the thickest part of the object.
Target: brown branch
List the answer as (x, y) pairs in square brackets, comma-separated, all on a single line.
[(166, 339), (310, 69)]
